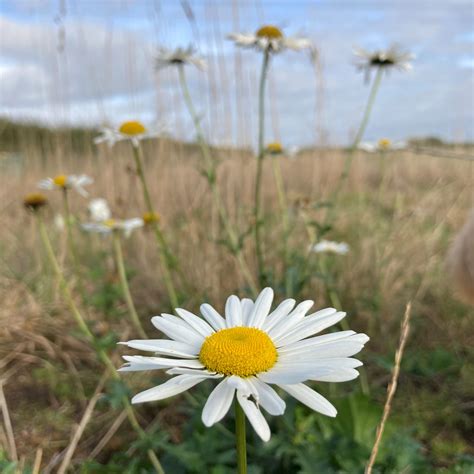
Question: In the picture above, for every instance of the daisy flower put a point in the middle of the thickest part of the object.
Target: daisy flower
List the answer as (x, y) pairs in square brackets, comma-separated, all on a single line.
[(277, 149), (65, 182), (328, 246), (247, 351), (127, 226), (392, 58), (99, 210), (271, 39), (384, 144), (133, 131), (178, 57)]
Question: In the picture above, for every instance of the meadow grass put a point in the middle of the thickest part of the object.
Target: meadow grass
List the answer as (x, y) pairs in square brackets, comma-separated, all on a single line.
[(398, 218)]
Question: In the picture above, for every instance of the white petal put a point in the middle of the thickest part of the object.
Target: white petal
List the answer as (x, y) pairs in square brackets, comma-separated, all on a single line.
[(339, 375), (196, 372), (178, 332), (286, 375), (261, 308), (218, 403), (212, 317), (255, 417), (176, 385), (163, 346), (313, 342), (331, 363), (233, 312), (309, 326), (310, 398), (283, 309), (247, 306), (243, 386), (268, 399), (195, 322), (135, 367), (164, 362), (289, 322)]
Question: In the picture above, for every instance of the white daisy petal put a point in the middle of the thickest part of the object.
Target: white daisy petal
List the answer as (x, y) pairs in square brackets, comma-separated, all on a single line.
[(339, 375), (196, 372), (212, 317), (233, 312), (314, 342), (247, 306), (164, 347), (171, 387), (254, 416), (177, 332), (289, 322), (295, 362), (261, 308), (282, 311), (268, 399), (164, 362), (218, 403), (285, 375), (195, 322), (310, 398)]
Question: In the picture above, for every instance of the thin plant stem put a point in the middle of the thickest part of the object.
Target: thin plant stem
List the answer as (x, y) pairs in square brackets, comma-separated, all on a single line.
[(211, 173), (80, 321), (166, 258), (70, 231), (258, 178), (124, 284), (392, 387), (240, 439)]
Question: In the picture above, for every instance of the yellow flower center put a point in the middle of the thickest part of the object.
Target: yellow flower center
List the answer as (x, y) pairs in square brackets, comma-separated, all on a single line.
[(132, 128), (109, 223), (269, 32), (60, 180), (274, 148), (240, 351), (384, 143), (149, 217)]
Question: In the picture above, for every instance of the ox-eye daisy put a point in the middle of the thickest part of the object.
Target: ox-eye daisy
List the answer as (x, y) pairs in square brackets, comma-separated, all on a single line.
[(384, 144), (329, 246), (127, 226), (178, 57), (133, 130), (99, 210), (247, 351), (270, 38), (65, 182)]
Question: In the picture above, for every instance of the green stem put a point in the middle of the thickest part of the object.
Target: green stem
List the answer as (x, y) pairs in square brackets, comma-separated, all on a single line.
[(166, 258), (258, 179), (80, 321), (69, 229), (240, 440), (211, 175), (125, 287)]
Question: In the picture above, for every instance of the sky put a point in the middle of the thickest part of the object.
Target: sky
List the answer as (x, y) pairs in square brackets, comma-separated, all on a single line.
[(90, 62)]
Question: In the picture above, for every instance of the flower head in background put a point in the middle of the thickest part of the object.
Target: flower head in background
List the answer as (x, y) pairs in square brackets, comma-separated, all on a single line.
[(150, 218), (99, 210), (328, 246), (271, 39), (384, 144), (392, 58), (65, 182), (126, 226), (178, 57), (59, 222), (132, 131), (247, 351), (35, 201), (274, 148)]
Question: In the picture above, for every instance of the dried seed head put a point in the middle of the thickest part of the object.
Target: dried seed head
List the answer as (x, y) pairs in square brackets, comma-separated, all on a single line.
[(34, 201)]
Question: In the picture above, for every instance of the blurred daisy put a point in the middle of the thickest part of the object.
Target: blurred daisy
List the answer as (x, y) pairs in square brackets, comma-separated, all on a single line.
[(178, 57), (247, 351), (133, 131), (392, 58), (274, 148), (99, 210), (271, 39), (65, 182), (150, 218), (328, 246), (384, 144), (34, 201), (59, 222), (127, 226)]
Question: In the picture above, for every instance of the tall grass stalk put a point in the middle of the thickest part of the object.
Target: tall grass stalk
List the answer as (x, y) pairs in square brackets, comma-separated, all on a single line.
[(166, 258), (124, 284), (258, 180), (69, 229), (211, 176), (81, 323)]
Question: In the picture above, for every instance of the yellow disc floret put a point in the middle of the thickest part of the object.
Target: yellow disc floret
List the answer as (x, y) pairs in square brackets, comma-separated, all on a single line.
[(274, 148), (384, 143), (132, 128), (60, 181), (150, 217), (110, 223), (269, 32), (240, 351)]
